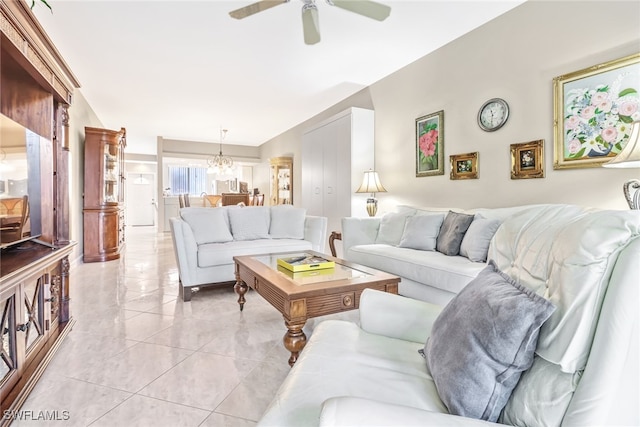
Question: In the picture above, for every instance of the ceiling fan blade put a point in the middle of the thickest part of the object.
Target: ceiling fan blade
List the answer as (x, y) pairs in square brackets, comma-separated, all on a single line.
[(310, 24), (370, 9), (253, 8)]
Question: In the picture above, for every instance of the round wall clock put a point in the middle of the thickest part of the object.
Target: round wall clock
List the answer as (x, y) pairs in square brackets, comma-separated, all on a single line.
[(493, 114)]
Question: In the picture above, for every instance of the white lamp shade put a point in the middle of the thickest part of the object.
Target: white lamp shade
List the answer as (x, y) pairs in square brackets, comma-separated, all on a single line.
[(629, 157), (371, 183)]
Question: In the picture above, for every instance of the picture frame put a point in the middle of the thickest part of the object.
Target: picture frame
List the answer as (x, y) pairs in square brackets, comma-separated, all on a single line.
[(430, 144), (593, 111), (527, 160), (464, 166)]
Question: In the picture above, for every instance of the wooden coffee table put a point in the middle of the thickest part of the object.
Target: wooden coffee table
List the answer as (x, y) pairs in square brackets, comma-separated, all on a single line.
[(301, 296)]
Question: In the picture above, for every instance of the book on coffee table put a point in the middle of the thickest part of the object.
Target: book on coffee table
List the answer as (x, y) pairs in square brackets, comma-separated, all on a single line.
[(305, 263)]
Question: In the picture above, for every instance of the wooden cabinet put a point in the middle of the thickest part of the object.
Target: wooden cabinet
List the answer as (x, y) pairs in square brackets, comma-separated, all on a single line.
[(103, 194), (335, 155), (281, 179), (34, 313)]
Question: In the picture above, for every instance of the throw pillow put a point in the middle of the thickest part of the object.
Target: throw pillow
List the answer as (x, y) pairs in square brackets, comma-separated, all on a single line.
[(452, 232), (475, 243), (287, 222), (209, 225), (392, 227), (482, 341), (250, 223), (421, 231)]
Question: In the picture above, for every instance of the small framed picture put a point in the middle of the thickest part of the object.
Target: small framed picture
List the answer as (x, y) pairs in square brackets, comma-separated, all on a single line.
[(464, 166), (527, 160)]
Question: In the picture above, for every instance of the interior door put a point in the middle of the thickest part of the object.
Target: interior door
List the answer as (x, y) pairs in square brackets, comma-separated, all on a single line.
[(140, 200)]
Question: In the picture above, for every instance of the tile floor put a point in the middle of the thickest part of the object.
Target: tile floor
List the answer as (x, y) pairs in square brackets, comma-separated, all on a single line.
[(139, 356)]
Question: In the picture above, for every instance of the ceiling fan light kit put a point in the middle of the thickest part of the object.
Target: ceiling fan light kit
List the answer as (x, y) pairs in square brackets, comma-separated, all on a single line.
[(310, 22)]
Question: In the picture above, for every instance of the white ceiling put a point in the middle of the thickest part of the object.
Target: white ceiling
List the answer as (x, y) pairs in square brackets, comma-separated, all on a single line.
[(182, 69)]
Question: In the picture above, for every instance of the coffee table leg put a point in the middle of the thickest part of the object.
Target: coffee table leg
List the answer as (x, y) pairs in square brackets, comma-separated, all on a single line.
[(294, 340), (241, 288)]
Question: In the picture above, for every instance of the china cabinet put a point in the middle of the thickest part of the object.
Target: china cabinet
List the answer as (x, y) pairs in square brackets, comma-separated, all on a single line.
[(281, 177), (103, 194)]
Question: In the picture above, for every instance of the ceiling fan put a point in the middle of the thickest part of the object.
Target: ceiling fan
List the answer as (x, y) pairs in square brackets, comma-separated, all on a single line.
[(310, 27)]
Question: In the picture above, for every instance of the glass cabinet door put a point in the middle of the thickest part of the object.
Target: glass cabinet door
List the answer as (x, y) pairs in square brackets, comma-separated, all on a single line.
[(111, 173), (282, 181)]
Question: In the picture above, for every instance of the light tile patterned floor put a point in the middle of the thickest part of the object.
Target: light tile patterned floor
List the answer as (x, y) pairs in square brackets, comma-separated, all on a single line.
[(139, 356)]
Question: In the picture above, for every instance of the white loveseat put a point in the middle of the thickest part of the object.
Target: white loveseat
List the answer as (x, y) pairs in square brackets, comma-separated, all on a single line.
[(206, 239), (428, 275), (586, 365)]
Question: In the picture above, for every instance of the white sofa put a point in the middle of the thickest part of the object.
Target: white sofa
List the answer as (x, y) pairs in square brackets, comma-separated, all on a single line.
[(206, 239), (586, 365), (427, 275)]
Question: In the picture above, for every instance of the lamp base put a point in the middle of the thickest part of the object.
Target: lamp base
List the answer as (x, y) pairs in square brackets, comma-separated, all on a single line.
[(372, 206), (632, 199)]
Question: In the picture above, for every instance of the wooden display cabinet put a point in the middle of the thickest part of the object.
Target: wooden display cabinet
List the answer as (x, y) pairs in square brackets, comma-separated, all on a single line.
[(103, 194), (281, 177)]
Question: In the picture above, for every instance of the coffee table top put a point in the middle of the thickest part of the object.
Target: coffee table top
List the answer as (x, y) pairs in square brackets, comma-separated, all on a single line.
[(344, 273)]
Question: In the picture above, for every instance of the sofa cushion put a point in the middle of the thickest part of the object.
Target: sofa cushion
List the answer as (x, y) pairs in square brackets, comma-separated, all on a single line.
[(214, 254), (340, 359), (421, 231), (392, 227), (475, 243), (449, 273), (482, 341), (208, 225), (452, 232), (250, 223), (287, 222)]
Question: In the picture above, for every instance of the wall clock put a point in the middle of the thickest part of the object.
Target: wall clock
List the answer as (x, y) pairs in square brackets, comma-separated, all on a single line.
[(493, 114)]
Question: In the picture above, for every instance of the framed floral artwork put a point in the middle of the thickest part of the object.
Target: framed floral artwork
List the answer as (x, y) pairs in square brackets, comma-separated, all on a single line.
[(527, 160), (430, 144), (464, 166), (593, 112)]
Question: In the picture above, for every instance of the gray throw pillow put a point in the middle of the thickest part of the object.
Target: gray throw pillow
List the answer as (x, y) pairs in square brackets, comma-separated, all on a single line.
[(482, 341), (475, 243), (452, 232), (421, 231)]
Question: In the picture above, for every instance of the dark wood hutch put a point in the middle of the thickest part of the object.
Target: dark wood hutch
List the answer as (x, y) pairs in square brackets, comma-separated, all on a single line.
[(36, 89)]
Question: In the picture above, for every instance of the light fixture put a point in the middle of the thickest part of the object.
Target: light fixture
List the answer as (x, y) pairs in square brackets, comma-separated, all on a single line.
[(221, 164), (310, 25), (629, 157), (371, 184)]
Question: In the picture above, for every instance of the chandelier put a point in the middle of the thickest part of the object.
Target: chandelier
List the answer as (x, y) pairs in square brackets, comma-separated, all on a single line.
[(220, 164)]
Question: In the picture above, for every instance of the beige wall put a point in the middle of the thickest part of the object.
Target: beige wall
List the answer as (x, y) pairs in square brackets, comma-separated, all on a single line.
[(80, 115), (515, 57)]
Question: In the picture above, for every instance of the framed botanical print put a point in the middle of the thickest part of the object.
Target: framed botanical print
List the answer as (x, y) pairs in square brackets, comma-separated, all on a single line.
[(593, 112), (464, 166), (527, 160), (430, 144)]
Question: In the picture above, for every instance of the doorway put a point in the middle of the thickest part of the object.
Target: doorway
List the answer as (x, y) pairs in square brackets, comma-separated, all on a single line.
[(141, 199)]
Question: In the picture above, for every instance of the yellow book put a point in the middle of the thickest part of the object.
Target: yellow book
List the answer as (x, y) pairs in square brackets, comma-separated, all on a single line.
[(305, 263)]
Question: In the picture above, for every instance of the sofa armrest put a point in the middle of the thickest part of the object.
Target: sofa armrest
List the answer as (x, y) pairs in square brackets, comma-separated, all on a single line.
[(355, 411), (395, 316), (358, 231), (315, 231), (185, 248)]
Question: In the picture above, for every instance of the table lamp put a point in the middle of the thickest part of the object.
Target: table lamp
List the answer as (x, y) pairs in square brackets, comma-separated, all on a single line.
[(629, 157), (371, 184)]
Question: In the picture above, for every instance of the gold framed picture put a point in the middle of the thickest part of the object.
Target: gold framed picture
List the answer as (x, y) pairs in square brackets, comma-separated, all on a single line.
[(464, 166), (527, 160), (593, 110)]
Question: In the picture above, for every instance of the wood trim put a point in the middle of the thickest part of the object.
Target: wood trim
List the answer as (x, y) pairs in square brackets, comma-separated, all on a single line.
[(35, 51)]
